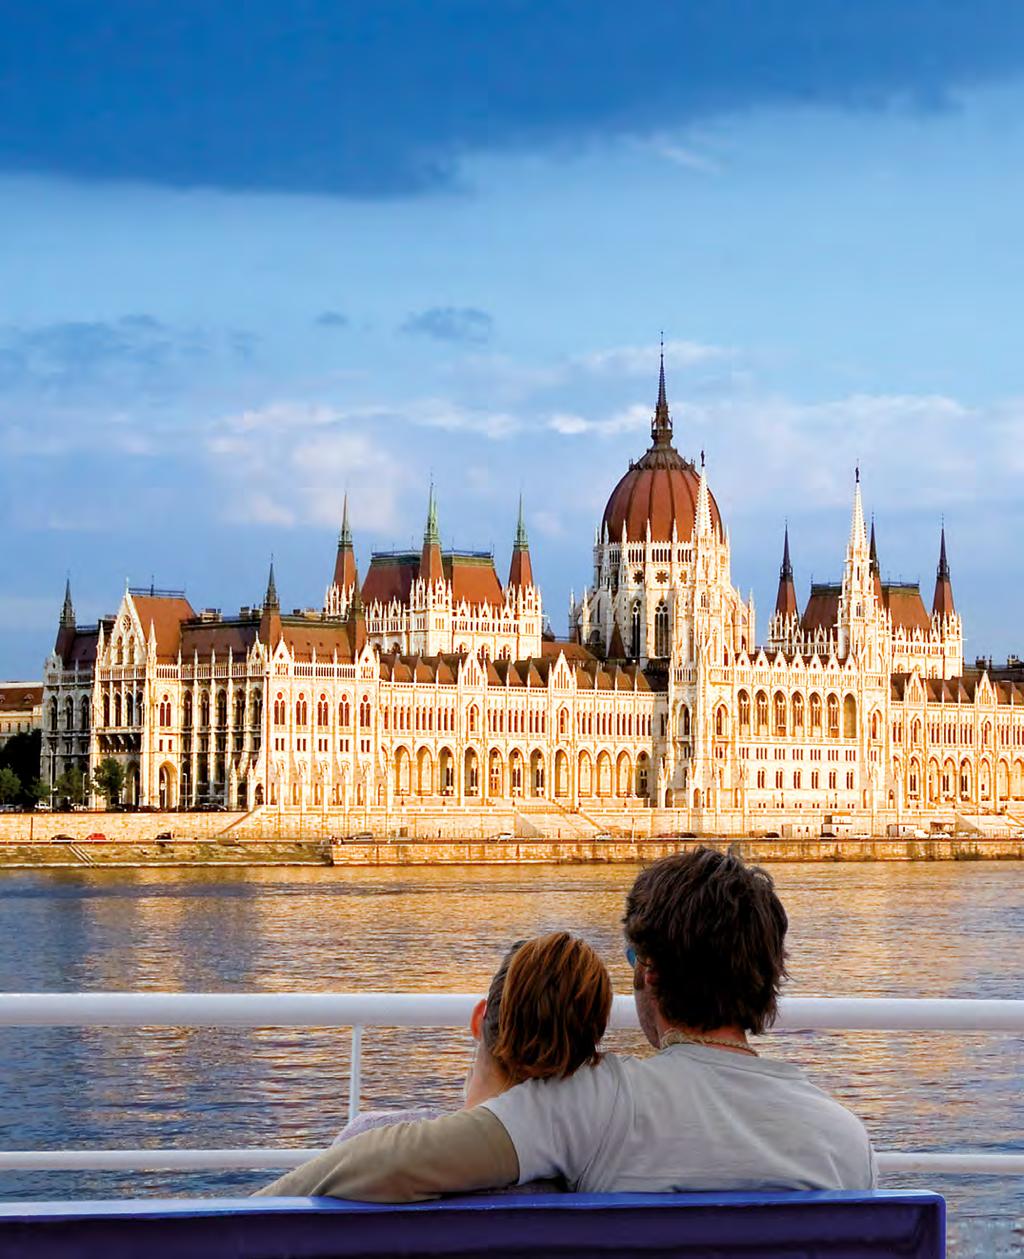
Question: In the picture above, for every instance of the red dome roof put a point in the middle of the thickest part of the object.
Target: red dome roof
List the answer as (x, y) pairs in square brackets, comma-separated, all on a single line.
[(661, 491), (660, 488)]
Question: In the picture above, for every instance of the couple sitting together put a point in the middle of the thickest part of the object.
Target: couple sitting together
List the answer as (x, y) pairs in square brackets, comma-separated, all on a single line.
[(705, 937)]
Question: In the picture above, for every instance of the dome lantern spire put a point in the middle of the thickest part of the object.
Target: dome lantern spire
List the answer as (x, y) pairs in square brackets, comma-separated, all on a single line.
[(661, 424)]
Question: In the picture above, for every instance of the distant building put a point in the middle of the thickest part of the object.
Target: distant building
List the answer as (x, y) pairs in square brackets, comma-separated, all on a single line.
[(431, 681), (21, 706)]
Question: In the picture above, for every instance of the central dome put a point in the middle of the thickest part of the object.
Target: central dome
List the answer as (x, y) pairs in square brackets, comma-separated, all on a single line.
[(660, 489)]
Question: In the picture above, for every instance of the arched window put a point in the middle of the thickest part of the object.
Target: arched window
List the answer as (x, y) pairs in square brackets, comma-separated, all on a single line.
[(165, 711), (84, 713), (204, 708), (256, 708), (106, 711), (323, 712), (365, 716), (280, 717), (744, 707), (684, 722), (634, 631), (720, 721), (186, 715), (815, 714), (798, 713), (762, 712), (222, 708), (849, 717), (473, 718), (661, 635), (239, 709), (301, 711), (833, 716), (69, 713), (53, 714), (780, 714), (117, 711), (345, 713)]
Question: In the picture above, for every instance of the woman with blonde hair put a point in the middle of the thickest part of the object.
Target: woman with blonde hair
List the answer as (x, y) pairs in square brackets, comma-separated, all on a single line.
[(543, 1018)]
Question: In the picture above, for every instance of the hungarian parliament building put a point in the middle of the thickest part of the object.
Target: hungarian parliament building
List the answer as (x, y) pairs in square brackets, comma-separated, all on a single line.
[(429, 684)]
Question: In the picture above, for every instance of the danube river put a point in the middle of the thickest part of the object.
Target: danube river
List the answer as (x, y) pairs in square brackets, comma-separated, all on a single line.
[(872, 930)]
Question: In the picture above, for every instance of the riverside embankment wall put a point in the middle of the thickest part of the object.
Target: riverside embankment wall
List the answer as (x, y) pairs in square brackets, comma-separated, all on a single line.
[(442, 836), (598, 852)]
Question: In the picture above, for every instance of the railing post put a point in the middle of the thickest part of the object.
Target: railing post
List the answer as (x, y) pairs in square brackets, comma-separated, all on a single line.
[(355, 1073)]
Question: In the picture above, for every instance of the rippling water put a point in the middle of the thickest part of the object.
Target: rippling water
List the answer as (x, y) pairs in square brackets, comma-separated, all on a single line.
[(870, 930)]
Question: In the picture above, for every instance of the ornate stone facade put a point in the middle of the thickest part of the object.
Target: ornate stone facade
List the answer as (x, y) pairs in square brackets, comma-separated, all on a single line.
[(431, 683)]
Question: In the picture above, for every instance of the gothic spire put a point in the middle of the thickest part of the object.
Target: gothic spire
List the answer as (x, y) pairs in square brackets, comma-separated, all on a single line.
[(67, 612), (520, 571), (345, 574), (345, 536), (271, 603), (858, 533), (431, 566), (702, 520), (942, 603), (661, 424), (785, 600), (875, 568)]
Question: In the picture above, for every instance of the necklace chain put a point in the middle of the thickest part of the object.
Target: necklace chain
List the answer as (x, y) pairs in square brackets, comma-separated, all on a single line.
[(684, 1038)]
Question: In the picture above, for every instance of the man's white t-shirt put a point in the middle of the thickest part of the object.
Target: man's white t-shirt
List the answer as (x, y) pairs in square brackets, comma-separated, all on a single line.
[(688, 1118)]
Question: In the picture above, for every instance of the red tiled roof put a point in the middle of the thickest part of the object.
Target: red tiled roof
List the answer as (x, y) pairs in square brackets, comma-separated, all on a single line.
[(822, 611), (473, 579), (165, 613), (303, 637), (206, 637), (905, 606), (390, 577), (17, 697)]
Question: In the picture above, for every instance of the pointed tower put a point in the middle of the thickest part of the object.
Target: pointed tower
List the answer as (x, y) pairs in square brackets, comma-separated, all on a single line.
[(661, 422), (857, 620), (785, 601), (431, 567), (66, 628), (942, 602), (520, 573), (858, 530), (876, 571), (345, 572), (271, 603), (270, 621), (702, 527), (356, 623)]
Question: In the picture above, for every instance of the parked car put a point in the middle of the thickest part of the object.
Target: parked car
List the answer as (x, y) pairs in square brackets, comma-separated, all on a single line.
[(62, 839), (165, 835), (96, 837)]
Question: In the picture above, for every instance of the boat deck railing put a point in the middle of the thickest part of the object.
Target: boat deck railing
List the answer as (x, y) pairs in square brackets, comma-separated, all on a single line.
[(360, 1011)]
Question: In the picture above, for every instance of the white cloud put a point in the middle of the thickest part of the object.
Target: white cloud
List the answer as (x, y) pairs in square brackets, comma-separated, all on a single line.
[(642, 360)]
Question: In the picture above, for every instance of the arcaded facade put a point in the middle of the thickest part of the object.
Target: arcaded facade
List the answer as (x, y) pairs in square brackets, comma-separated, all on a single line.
[(430, 683)]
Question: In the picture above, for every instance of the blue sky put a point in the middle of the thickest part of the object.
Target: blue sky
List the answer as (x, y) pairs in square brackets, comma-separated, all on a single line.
[(248, 265)]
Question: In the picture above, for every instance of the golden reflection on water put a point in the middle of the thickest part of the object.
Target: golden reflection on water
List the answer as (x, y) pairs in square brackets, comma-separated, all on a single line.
[(939, 929)]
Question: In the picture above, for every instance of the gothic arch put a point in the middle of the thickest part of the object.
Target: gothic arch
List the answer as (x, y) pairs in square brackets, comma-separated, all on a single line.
[(604, 774), (585, 780), (623, 775)]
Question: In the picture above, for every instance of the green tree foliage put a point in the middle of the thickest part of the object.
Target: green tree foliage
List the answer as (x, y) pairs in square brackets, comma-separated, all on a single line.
[(36, 791), (20, 754), (10, 785), (109, 779), (72, 786)]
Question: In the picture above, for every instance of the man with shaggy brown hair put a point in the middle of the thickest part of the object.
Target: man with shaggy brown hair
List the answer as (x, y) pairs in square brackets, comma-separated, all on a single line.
[(705, 937)]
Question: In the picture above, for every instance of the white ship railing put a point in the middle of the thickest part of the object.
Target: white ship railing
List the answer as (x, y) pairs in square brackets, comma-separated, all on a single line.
[(429, 1010)]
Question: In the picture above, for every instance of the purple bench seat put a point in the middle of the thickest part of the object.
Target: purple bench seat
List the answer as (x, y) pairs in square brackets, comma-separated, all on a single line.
[(713, 1226)]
